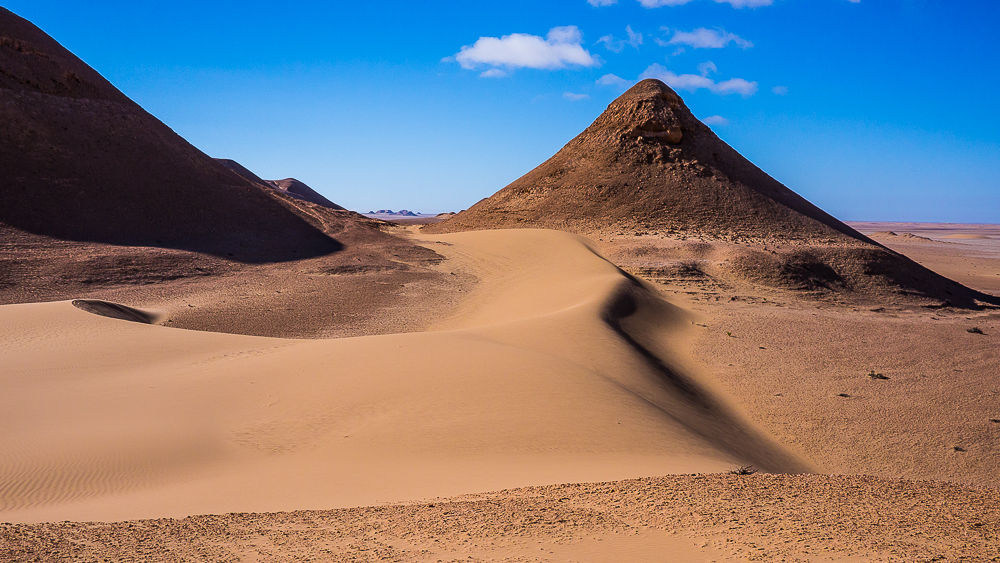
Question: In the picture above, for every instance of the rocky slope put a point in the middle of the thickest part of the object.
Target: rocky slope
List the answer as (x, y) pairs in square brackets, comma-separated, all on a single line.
[(83, 162), (647, 176)]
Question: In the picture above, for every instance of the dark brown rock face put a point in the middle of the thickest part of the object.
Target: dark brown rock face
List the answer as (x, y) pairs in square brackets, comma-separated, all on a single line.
[(289, 186), (300, 190), (80, 161)]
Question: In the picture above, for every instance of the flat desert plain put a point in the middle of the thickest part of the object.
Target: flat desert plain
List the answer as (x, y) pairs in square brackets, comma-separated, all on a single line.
[(559, 409)]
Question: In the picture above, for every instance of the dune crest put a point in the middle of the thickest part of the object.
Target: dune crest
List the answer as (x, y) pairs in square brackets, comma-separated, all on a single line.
[(578, 376), (115, 311)]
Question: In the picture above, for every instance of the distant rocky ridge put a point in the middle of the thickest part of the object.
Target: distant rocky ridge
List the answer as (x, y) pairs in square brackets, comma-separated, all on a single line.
[(909, 236), (290, 186), (400, 213), (300, 190)]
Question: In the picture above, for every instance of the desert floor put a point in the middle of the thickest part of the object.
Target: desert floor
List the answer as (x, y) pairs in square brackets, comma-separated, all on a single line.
[(553, 367)]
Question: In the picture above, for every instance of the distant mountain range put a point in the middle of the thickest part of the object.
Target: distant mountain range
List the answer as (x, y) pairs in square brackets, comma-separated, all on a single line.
[(400, 213)]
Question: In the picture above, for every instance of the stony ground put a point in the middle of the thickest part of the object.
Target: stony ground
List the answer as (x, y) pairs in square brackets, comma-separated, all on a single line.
[(718, 517)]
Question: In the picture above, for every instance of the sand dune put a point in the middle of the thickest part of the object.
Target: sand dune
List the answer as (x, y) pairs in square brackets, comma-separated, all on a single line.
[(559, 368), (968, 236), (539, 377), (115, 311), (713, 320)]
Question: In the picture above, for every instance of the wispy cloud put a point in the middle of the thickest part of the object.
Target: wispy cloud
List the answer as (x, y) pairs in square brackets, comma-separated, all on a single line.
[(780, 90), (661, 3), (616, 45), (614, 81), (746, 3), (560, 48), (715, 120), (494, 73), (575, 97), (733, 3), (694, 82), (703, 38)]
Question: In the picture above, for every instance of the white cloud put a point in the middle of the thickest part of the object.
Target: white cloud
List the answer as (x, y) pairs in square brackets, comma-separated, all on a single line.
[(702, 38), (715, 120), (707, 68), (659, 3), (616, 45), (695, 82), (739, 86), (599, 3), (559, 49), (575, 97), (733, 3), (634, 39), (494, 73), (746, 3), (614, 81), (851, 1), (780, 90)]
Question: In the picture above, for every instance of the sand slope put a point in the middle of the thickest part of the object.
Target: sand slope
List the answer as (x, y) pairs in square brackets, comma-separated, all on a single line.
[(559, 369), (968, 254)]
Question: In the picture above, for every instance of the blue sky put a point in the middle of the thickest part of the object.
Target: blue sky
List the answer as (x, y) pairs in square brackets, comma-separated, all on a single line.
[(873, 110)]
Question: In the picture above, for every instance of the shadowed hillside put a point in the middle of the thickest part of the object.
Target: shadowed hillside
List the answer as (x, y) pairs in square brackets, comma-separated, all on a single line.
[(288, 186), (82, 162)]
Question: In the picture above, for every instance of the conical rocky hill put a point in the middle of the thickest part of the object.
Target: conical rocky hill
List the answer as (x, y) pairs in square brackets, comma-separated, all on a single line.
[(82, 162), (648, 164), (648, 174)]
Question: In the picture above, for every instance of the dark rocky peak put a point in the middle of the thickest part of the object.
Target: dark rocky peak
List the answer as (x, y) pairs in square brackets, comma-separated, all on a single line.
[(648, 110)]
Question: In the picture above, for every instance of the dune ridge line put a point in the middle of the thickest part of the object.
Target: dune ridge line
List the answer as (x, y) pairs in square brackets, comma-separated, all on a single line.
[(557, 368)]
